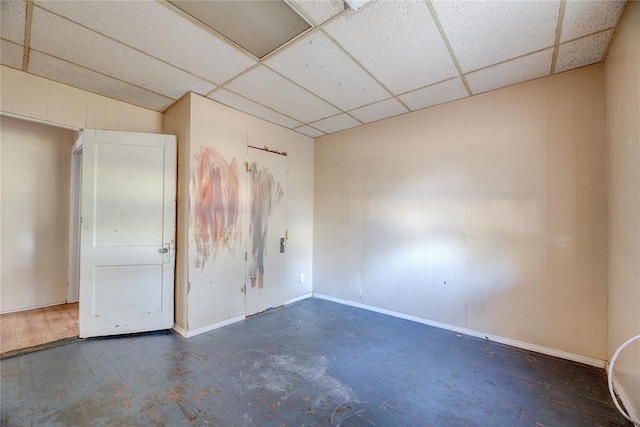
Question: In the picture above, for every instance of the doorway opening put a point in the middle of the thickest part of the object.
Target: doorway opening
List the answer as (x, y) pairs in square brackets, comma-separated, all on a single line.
[(39, 279), (106, 195)]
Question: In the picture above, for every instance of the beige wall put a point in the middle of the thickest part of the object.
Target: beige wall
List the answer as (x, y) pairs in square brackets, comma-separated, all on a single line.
[(487, 213), (35, 181), (44, 100), (215, 288), (211, 293), (622, 88), (177, 121)]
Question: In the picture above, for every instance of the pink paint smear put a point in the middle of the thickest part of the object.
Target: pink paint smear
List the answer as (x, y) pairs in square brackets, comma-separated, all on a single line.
[(215, 204)]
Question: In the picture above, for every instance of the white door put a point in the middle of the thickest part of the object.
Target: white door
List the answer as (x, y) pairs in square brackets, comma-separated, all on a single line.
[(267, 230), (127, 253)]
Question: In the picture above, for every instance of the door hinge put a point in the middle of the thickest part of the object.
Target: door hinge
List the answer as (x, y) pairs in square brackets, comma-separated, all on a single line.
[(245, 256)]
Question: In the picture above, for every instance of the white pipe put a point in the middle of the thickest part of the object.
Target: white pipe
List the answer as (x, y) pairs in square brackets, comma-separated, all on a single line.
[(610, 378)]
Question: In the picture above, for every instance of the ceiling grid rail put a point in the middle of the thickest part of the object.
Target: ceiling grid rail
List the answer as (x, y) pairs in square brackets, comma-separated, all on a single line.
[(556, 44), (27, 35), (434, 14)]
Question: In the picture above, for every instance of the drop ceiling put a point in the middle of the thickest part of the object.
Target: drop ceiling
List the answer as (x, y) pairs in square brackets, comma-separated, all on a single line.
[(349, 68)]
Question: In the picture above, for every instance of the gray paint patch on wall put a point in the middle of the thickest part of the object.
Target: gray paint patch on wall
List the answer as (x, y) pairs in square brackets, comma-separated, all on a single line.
[(266, 195)]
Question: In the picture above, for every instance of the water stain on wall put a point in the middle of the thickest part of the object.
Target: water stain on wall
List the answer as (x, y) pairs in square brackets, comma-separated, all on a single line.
[(215, 201), (266, 195)]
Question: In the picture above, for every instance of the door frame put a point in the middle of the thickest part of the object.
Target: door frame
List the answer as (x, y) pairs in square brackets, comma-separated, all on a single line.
[(75, 222)]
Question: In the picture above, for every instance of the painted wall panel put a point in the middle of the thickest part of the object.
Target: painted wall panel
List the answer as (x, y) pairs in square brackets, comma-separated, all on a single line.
[(299, 206), (37, 98), (467, 213), (177, 121), (210, 286), (216, 280), (35, 182), (622, 88)]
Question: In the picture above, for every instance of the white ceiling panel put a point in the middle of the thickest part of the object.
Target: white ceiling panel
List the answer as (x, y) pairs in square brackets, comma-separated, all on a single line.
[(584, 51), (12, 20), (336, 123), (317, 11), (243, 104), (309, 131), (512, 72), (438, 93), (483, 33), (397, 41), (586, 17), (65, 40), (159, 31), (11, 54), (269, 88), (64, 72), (378, 111), (318, 65)]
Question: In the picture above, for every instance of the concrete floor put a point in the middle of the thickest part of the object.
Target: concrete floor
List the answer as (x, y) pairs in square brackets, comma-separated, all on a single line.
[(312, 363)]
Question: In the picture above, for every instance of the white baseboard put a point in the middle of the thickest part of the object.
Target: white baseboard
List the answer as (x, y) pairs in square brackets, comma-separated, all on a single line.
[(296, 299), (50, 304), (502, 340), (627, 403), (180, 330), (204, 329)]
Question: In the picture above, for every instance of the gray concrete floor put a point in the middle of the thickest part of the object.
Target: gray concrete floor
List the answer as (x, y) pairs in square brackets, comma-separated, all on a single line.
[(314, 363)]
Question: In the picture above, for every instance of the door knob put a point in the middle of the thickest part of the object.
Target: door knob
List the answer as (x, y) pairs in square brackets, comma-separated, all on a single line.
[(165, 250)]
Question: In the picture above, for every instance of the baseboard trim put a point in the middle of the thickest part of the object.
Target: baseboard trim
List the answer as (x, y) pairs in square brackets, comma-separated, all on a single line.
[(296, 299), (208, 328), (180, 330), (496, 338), (627, 403), (35, 307)]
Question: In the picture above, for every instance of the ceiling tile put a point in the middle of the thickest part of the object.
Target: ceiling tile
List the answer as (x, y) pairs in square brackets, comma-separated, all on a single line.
[(438, 93), (586, 17), (161, 32), (68, 41), (483, 33), (11, 54), (243, 104), (309, 131), (269, 88), (318, 65), (378, 111), (318, 11), (512, 72), (12, 20), (259, 27), (581, 52), (64, 72), (397, 41), (336, 123)]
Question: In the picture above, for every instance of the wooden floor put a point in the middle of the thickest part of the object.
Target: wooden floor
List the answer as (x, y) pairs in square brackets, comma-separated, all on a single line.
[(30, 328)]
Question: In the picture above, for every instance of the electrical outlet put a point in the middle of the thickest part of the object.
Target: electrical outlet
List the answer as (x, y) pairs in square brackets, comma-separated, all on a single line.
[(301, 277)]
